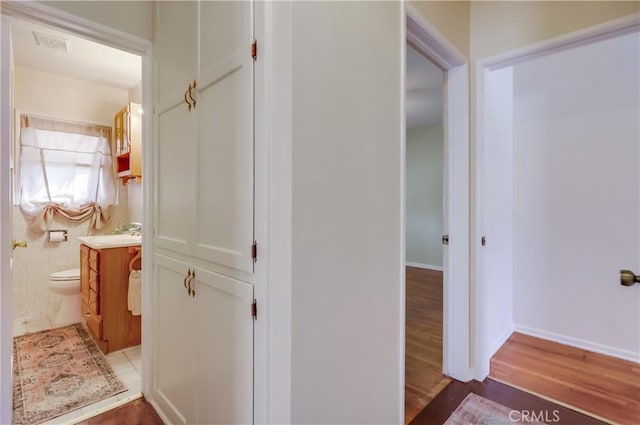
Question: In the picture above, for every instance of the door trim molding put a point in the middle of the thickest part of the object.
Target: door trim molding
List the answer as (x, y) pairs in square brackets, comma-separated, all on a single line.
[(85, 28), (6, 124), (425, 38), (582, 37), (79, 26), (483, 67)]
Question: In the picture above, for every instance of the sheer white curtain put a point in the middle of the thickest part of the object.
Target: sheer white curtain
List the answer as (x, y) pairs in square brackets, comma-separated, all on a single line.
[(65, 170)]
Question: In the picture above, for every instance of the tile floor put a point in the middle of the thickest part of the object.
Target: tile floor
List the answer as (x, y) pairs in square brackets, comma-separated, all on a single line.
[(126, 363)]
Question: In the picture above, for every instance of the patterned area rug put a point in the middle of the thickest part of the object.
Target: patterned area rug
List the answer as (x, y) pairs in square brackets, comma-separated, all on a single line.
[(57, 371), (477, 410)]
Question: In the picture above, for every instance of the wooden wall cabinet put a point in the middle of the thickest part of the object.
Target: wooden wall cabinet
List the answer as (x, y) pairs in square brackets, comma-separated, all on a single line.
[(104, 283), (128, 142)]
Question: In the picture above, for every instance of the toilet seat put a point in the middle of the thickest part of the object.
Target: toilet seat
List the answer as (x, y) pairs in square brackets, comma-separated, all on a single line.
[(65, 275)]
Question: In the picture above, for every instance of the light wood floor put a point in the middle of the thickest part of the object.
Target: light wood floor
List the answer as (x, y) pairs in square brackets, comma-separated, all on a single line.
[(423, 348), (599, 384)]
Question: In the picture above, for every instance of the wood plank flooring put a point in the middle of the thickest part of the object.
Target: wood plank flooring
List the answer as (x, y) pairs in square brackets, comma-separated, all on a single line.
[(599, 384), (423, 345), (137, 412), (439, 410)]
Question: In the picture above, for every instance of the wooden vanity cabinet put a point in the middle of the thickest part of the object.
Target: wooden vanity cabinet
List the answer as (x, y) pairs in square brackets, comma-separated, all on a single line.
[(104, 283)]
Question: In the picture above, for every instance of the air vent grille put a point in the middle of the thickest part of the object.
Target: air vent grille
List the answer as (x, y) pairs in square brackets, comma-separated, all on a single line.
[(51, 42)]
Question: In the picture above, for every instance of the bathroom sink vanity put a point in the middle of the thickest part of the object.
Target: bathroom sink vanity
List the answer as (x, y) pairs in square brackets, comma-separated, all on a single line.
[(105, 263)]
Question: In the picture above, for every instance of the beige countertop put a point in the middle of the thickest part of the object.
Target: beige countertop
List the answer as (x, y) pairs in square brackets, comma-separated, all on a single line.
[(111, 241)]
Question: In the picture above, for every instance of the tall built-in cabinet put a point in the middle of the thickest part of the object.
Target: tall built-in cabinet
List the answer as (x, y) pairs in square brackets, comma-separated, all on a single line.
[(204, 247)]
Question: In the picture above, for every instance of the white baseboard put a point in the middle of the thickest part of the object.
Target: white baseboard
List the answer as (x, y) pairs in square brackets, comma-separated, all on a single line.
[(424, 266), (500, 342), (580, 343)]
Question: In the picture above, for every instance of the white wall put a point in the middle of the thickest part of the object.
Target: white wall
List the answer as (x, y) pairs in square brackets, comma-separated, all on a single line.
[(347, 195), (577, 197), (424, 230), (56, 96), (496, 300), (451, 18), (135, 93)]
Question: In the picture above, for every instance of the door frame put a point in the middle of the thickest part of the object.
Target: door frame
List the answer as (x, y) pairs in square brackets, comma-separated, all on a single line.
[(81, 27), (483, 349), (425, 38), (6, 124)]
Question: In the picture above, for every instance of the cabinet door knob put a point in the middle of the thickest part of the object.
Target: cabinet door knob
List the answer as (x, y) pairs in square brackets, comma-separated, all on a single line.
[(187, 100), (193, 290), (190, 291), (191, 87), (185, 279)]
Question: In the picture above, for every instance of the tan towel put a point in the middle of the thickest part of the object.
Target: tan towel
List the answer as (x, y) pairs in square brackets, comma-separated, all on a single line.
[(135, 292)]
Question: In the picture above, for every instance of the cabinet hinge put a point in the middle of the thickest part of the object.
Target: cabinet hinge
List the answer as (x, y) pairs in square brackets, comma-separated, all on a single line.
[(254, 251), (254, 310), (254, 49)]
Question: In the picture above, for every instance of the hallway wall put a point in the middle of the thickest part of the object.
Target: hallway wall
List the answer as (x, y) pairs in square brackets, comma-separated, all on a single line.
[(346, 206), (424, 209)]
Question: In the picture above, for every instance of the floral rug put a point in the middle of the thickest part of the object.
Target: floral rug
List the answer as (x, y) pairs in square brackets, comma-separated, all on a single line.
[(478, 410), (57, 371)]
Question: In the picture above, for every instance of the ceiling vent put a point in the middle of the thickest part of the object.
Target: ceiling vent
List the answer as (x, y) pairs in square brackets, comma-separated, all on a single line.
[(51, 42)]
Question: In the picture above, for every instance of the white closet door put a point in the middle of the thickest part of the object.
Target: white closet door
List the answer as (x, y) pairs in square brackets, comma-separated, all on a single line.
[(175, 201), (224, 353), (223, 231), (176, 55), (176, 48), (174, 369)]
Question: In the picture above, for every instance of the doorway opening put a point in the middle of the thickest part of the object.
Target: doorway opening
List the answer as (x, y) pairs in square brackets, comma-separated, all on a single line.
[(424, 232), (558, 159), (70, 281), (450, 69)]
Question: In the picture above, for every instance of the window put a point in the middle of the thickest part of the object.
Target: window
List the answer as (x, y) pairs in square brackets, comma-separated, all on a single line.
[(65, 170)]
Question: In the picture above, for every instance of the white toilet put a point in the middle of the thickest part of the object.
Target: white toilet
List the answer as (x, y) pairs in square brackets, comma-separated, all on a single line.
[(67, 285)]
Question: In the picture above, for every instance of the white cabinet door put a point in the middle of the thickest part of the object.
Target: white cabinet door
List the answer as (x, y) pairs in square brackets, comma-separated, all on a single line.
[(176, 48), (175, 177), (224, 349), (223, 231), (174, 368), (176, 59)]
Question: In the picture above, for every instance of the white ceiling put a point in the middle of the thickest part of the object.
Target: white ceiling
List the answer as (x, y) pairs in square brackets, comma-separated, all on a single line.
[(84, 60), (424, 90)]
